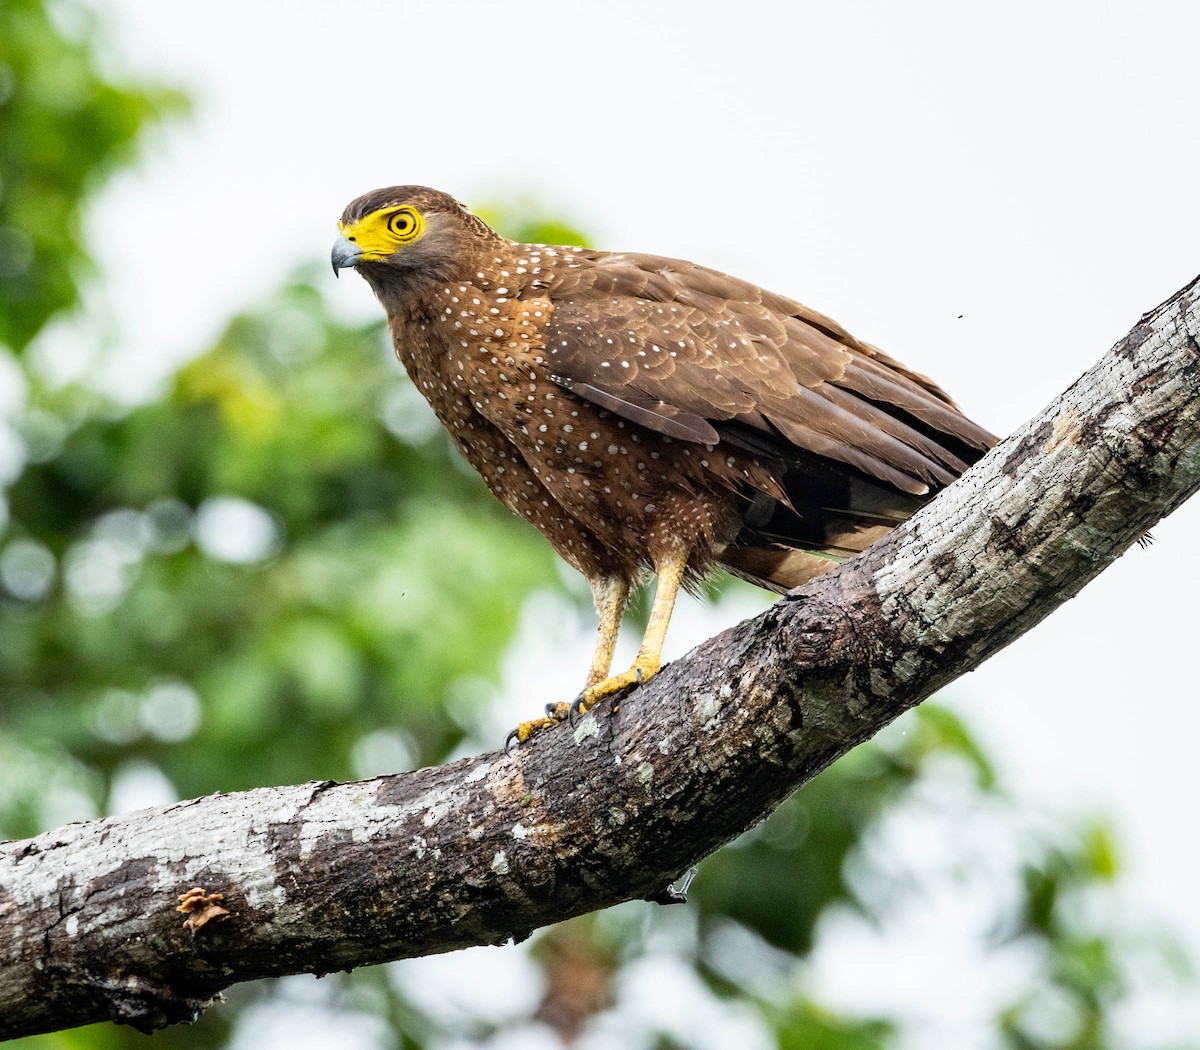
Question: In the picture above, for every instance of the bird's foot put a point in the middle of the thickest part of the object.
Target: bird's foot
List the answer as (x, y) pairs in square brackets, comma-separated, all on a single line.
[(644, 668), (555, 713)]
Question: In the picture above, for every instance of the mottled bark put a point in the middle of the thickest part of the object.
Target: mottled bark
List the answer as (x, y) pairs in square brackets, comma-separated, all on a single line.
[(330, 876)]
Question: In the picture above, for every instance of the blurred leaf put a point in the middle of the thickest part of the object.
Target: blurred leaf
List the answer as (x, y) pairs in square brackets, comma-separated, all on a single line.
[(64, 128), (807, 1026), (939, 729), (1100, 851), (525, 219)]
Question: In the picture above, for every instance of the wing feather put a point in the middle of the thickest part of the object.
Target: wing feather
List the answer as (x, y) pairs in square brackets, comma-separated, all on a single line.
[(694, 354)]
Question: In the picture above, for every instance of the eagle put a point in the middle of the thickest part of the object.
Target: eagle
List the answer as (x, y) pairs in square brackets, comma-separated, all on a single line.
[(650, 416)]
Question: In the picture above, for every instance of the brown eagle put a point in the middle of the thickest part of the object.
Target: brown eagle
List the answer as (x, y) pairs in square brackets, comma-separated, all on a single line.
[(649, 415)]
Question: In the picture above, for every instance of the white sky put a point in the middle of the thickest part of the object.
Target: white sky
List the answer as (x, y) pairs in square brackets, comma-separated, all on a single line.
[(992, 194)]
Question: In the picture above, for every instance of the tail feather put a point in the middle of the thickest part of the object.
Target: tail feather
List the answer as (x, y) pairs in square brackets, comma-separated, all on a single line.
[(829, 515), (775, 567)]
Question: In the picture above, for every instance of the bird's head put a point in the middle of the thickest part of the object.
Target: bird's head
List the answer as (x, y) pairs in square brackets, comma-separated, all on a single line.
[(400, 233)]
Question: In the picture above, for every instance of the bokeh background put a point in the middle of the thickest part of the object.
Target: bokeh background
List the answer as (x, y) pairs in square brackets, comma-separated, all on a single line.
[(236, 550)]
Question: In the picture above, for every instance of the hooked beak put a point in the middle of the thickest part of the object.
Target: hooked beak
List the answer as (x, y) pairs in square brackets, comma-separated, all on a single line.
[(345, 253)]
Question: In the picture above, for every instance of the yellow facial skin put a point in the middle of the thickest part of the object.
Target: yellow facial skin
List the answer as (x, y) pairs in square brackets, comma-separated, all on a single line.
[(383, 232)]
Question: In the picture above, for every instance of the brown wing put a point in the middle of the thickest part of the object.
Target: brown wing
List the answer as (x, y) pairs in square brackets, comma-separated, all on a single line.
[(701, 356)]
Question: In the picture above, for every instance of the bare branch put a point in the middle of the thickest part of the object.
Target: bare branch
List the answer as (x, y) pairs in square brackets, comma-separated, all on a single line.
[(331, 876)]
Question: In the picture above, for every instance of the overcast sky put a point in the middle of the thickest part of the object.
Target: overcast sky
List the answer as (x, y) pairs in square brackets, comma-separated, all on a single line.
[(992, 194)]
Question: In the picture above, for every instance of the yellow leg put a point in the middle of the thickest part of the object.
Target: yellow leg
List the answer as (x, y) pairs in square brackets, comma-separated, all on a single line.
[(611, 595), (649, 657)]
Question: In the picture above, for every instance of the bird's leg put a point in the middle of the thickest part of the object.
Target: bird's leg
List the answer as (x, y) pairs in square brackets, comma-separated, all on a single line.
[(649, 658), (611, 595)]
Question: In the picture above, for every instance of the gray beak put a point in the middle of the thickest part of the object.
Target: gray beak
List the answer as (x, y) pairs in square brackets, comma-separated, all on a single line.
[(345, 253)]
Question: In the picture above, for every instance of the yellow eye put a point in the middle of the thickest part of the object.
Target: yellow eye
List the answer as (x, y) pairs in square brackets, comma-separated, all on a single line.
[(382, 233), (404, 224)]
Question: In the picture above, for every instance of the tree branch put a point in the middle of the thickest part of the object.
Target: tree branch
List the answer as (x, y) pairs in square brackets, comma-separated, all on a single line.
[(330, 876)]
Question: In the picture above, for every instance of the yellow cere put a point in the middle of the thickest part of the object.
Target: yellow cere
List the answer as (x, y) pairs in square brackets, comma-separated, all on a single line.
[(382, 232)]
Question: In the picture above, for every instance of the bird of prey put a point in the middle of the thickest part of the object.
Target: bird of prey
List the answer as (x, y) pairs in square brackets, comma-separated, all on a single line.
[(649, 415)]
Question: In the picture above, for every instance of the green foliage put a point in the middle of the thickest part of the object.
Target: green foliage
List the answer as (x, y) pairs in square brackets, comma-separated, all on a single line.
[(807, 1026), (381, 580), (525, 219), (64, 128), (800, 854)]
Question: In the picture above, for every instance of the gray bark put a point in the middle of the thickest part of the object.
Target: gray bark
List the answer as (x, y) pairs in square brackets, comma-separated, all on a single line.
[(329, 876)]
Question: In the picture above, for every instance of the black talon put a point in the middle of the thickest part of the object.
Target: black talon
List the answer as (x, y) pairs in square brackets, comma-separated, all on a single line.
[(557, 711), (508, 742), (575, 712)]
